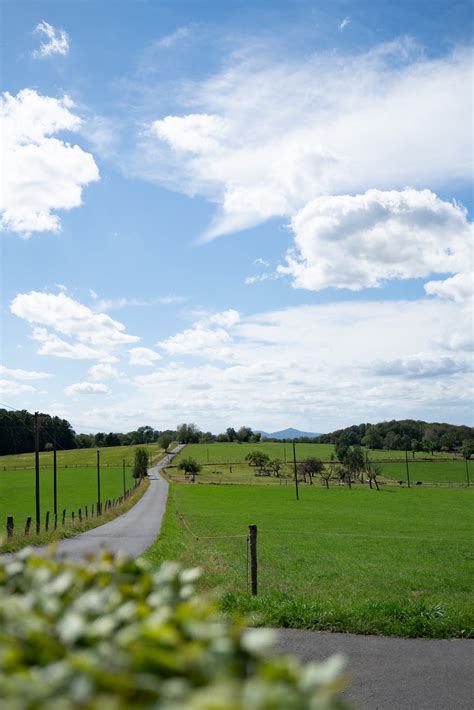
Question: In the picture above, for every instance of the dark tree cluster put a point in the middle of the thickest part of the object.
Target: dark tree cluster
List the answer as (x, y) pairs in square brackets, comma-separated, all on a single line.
[(17, 432), (407, 435)]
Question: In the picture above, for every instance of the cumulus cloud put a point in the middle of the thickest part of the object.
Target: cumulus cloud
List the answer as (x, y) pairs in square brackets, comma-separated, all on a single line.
[(11, 388), (457, 288), (103, 371), (18, 374), (41, 173), (71, 318), (91, 335), (143, 356), (267, 136), (208, 337), (360, 241), (55, 41), (327, 365), (86, 388)]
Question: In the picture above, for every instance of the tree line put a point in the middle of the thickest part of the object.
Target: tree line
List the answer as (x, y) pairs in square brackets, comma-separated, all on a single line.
[(405, 435)]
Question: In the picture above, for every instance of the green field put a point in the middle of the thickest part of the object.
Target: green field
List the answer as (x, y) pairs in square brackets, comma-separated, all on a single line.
[(77, 487), (77, 480), (394, 562), (430, 472), (236, 453), (224, 463), (113, 455)]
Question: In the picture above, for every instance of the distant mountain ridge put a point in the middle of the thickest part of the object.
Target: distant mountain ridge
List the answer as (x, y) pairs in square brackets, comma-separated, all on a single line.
[(289, 433)]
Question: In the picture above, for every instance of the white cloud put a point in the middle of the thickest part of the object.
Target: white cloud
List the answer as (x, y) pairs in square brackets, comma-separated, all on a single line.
[(11, 388), (344, 23), (71, 318), (103, 371), (261, 262), (319, 367), (172, 39), (420, 366), (266, 136), (18, 374), (86, 388), (208, 337), (41, 174), (457, 288), (55, 346), (360, 241), (143, 356), (56, 42), (114, 304)]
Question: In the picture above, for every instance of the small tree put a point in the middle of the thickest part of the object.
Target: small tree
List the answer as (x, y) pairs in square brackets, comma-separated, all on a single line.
[(48, 446), (164, 442), (275, 465), (140, 466), (258, 459), (372, 470), (190, 467), (310, 467), (467, 448), (326, 473)]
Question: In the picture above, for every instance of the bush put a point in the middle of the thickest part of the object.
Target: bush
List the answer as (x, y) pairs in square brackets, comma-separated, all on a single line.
[(113, 634), (140, 466)]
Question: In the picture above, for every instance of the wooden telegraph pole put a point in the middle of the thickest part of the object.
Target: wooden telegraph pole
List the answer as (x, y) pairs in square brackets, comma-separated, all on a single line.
[(37, 474), (55, 481), (408, 468), (253, 558), (296, 471), (98, 482), (123, 469)]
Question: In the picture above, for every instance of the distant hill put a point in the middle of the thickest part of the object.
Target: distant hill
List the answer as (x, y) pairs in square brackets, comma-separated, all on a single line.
[(287, 434)]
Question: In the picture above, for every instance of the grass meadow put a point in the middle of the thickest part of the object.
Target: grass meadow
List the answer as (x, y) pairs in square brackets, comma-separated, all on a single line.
[(396, 562), (76, 476), (236, 453)]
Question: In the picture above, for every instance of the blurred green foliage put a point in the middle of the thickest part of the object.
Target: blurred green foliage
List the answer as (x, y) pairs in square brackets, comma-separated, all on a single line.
[(111, 633)]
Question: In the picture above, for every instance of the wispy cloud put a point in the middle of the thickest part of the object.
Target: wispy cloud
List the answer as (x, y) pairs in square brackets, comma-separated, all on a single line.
[(56, 40), (116, 304), (344, 23)]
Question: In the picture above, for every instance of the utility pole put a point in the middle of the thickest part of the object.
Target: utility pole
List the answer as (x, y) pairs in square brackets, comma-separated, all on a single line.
[(296, 471), (123, 468), (408, 468), (98, 482), (55, 480), (467, 472), (252, 541), (37, 474)]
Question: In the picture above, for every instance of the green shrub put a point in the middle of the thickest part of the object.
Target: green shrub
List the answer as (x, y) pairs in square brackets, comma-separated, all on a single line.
[(112, 634)]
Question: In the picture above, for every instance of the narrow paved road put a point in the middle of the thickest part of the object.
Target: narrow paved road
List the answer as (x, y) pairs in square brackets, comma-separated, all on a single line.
[(391, 673), (131, 532)]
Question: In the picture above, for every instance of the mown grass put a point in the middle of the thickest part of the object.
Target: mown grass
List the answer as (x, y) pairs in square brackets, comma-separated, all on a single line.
[(430, 472), (20, 540), (396, 562)]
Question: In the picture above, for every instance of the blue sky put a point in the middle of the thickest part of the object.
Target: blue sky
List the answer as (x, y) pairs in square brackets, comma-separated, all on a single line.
[(237, 212)]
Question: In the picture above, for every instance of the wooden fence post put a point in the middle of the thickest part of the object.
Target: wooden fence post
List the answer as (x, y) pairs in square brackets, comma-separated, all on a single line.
[(46, 522), (64, 516), (253, 559), (10, 526), (28, 525)]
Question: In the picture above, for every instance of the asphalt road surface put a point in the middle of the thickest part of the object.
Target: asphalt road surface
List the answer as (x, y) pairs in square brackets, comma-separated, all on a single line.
[(392, 673), (131, 532)]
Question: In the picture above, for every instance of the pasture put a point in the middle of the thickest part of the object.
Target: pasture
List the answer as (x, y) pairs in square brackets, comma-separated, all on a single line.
[(225, 463), (76, 477), (396, 562), (236, 453)]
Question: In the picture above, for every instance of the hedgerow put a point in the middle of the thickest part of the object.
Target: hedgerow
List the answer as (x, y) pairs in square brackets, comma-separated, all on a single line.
[(111, 633)]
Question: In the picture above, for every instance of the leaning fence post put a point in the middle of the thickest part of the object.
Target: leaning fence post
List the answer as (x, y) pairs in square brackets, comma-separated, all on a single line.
[(80, 515), (253, 558), (46, 522), (10, 526), (28, 525), (64, 516)]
